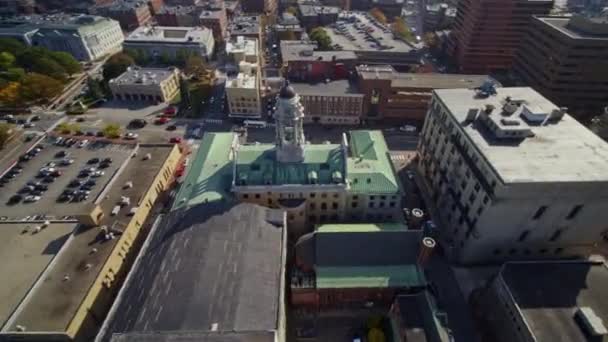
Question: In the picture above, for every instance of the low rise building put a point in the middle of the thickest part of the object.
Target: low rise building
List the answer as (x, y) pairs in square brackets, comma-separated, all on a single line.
[(332, 103), (314, 183), (213, 16), (243, 49), (303, 63), (499, 166), (405, 97), (217, 270), (417, 318), (547, 301), (85, 37), (131, 14), (66, 271), (246, 26), (146, 84), (177, 16), (331, 270), (313, 14), (173, 42), (15, 7), (569, 65), (243, 93)]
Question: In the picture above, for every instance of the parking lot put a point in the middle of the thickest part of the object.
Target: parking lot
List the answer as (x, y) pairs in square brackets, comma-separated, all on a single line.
[(64, 170)]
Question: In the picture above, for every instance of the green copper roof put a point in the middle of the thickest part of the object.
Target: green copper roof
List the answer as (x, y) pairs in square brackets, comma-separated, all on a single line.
[(360, 228), (370, 169), (257, 165), (369, 276), (210, 175)]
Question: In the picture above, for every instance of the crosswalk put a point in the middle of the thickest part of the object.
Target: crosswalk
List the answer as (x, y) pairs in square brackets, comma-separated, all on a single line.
[(399, 157), (213, 121)]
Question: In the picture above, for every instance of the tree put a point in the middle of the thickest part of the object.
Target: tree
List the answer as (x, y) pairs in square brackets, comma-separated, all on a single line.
[(112, 130), (6, 131), (165, 58), (10, 95), (67, 61), (116, 65), (39, 88), (430, 40), (379, 15), (287, 35), (401, 30), (292, 10), (95, 89), (139, 56), (319, 35), (47, 66), (13, 46), (13, 74), (7, 60), (195, 65)]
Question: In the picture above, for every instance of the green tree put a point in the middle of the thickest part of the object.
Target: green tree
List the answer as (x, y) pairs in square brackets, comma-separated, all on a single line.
[(139, 56), (49, 67), (319, 35), (6, 131), (95, 89), (12, 46), (116, 65), (7, 60), (37, 88), (165, 58), (13, 74), (112, 130), (195, 65), (67, 61), (378, 15)]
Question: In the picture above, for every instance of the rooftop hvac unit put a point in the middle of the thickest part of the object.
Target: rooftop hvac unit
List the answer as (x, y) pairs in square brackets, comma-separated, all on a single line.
[(115, 210), (128, 185), (591, 322)]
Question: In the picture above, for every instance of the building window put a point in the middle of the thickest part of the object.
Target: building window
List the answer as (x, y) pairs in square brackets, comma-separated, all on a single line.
[(485, 199), (323, 195), (523, 236), (371, 198), (312, 195), (312, 206), (354, 204), (257, 195), (497, 252), (371, 204), (572, 214), (391, 204), (323, 206), (334, 205), (245, 196), (472, 198), (541, 210), (559, 250), (512, 251)]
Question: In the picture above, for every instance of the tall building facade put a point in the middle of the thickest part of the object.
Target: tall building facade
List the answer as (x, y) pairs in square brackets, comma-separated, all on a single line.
[(173, 42), (487, 33), (513, 176), (566, 60)]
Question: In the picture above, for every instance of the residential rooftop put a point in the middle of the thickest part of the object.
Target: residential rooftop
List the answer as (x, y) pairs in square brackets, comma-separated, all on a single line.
[(244, 25), (245, 45), (542, 149), (183, 10), (30, 252), (579, 26), (428, 81), (266, 336), (193, 35), (144, 76), (214, 267), (333, 88), (548, 295), (242, 80), (54, 302), (315, 10), (296, 50), (122, 5)]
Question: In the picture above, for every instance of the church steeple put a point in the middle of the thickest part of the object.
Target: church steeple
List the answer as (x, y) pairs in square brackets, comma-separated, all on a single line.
[(289, 118)]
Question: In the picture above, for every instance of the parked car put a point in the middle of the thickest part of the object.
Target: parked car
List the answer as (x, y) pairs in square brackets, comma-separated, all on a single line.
[(138, 123), (161, 121), (170, 111), (31, 199), (97, 174), (83, 143), (175, 140), (15, 199), (93, 161), (66, 162), (131, 136), (61, 154), (171, 128), (74, 183)]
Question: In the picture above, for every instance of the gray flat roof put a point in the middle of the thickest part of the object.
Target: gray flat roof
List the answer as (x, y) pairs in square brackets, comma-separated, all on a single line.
[(52, 306), (438, 81), (181, 34), (565, 26), (563, 151), (549, 293), (215, 266), (334, 88), (143, 76), (27, 255), (296, 50)]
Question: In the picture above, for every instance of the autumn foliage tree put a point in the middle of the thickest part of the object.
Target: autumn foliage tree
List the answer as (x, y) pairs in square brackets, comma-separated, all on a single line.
[(378, 15), (10, 95), (37, 88)]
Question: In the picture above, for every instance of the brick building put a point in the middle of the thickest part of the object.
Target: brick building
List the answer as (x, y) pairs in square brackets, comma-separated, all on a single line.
[(177, 16), (213, 16), (259, 6), (404, 97), (336, 102), (130, 14), (487, 33), (302, 63), (566, 60)]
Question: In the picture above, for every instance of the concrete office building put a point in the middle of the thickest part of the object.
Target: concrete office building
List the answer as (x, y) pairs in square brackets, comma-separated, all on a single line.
[(487, 33), (243, 93), (174, 42), (351, 181), (246, 26), (547, 301), (85, 37), (313, 14), (331, 103), (566, 60), (513, 176), (130, 14), (403, 97), (243, 49), (146, 84), (177, 16)]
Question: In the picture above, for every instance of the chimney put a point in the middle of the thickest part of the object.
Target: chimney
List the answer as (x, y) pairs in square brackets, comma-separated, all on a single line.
[(426, 249), (416, 218)]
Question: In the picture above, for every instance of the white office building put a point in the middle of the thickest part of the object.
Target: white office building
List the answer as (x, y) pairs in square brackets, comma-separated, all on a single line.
[(172, 42), (513, 176), (243, 92)]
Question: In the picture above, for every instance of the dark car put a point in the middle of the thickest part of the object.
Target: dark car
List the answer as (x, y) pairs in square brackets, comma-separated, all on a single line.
[(26, 189), (49, 179), (93, 161), (25, 157), (91, 182), (99, 134), (103, 165), (107, 160), (15, 199), (64, 198), (138, 123), (171, 128), (83, 174), (67, 192), (36, 193), (41, 187), (90, 133), (61, 154), (75, 183)]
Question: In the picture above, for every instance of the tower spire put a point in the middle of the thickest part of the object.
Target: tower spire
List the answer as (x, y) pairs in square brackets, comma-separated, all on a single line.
[(289, 118)]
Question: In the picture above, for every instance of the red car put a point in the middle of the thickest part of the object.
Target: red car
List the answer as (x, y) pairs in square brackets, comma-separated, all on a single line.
[(161, 121), (175, 140), (170, 111)]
